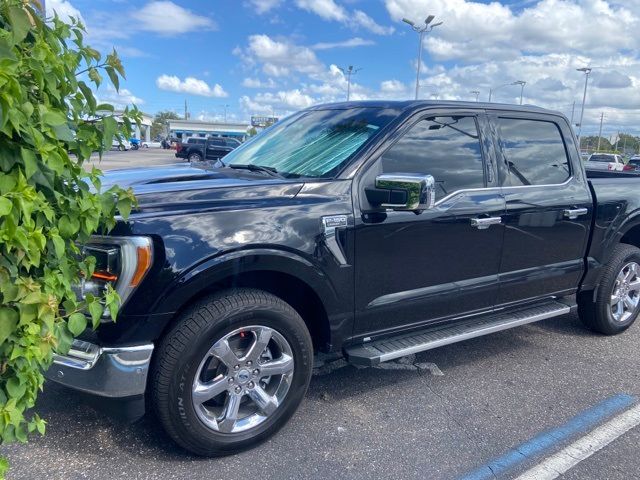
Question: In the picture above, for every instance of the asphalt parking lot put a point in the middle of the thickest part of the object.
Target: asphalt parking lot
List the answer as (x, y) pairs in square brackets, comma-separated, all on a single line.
[(142, 157), (455, 412)]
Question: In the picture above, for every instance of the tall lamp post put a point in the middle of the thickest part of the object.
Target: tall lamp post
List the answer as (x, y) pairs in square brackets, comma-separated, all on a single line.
[(476, 93), (348, 72), (517, 82), (522, 84), (421, 30), (587, 72)]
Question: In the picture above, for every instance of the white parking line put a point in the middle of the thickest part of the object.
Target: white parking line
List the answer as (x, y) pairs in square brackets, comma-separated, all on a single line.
[(583, 448)]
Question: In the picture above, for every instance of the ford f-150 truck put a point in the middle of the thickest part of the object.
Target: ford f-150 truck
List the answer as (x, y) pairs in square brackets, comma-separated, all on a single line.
[(372, 230)]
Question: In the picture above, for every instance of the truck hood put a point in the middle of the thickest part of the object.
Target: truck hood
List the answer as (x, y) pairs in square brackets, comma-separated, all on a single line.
[(183, 186)]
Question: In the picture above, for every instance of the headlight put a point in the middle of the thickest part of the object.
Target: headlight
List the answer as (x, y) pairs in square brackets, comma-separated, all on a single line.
[(121, 262)]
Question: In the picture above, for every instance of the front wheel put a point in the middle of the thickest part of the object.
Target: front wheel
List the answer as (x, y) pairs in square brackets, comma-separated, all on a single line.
[(231, 372), (195, 157), (616, 305)]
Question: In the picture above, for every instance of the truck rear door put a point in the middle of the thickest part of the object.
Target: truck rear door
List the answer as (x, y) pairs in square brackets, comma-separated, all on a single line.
[(548, 207)]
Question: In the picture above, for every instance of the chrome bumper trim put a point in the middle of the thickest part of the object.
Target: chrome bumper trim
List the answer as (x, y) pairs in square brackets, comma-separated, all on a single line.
[(105, 371)]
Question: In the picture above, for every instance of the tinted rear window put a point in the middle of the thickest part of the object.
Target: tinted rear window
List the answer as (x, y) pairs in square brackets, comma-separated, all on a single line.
[(535, 152)]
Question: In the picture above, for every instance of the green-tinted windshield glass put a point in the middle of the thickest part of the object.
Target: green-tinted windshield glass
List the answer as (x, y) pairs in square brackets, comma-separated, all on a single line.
[(315, 143)]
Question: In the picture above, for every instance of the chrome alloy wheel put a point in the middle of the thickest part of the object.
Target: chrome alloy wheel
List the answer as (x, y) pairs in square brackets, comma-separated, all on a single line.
[(243, 379), (626, 292)]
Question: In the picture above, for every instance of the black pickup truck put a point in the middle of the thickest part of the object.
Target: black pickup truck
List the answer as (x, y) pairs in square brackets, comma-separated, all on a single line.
[(371, 230), (198, 149)]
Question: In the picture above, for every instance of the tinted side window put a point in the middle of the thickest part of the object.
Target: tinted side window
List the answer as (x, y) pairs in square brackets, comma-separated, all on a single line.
[(446, 147), (534, 151)]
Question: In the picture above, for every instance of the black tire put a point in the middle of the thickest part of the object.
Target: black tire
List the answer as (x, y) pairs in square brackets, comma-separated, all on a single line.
[(597, 314), (194, 157), (179, 356)]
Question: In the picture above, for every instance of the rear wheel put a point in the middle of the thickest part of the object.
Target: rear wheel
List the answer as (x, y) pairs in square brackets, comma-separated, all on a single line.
[(195, 157), (231, 372), (617, 302)]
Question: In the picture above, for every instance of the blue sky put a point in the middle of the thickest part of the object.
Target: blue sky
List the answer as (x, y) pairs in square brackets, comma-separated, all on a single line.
[(266, 56)]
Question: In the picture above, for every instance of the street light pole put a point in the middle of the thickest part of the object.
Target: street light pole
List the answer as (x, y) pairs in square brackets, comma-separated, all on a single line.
[(586, 71), (522, 84), (517, 82), (421, 31), (348, 72), (477, 94)]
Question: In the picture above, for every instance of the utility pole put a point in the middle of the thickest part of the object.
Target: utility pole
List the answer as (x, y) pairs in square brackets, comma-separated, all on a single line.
[(186, 112), (600, 131), (348, 72), (615, 149), (421, 31)]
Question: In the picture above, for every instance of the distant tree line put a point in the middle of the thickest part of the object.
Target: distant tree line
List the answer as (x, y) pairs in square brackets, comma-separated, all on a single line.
[(622, 143)]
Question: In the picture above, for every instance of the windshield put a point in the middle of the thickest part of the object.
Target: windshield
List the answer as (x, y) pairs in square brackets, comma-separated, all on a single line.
[(316, 143), (602, 158)]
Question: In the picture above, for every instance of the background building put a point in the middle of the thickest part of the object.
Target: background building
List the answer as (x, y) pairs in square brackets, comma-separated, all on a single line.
[(193, 128)]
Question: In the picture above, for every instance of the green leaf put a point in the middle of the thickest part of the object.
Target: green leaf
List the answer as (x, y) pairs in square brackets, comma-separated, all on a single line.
[(68, 226), (113, 76), (77, 323), (15, 388), (124, 207), (5, 206), (58, 245), (53, 117), (8, 322), (30, 162), (19, 22)]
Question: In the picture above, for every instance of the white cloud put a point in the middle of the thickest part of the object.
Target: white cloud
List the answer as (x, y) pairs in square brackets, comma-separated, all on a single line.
[(283, 102), (64, 9), (257, 83), (263, 6), (331, 11), (189, 85), (166, 18), (352, 42), (327, 9), (119, 99), (474, 31), (363, 20), (279, 58)]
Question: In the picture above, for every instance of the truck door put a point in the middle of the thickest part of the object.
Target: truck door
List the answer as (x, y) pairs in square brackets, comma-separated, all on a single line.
[(216, 148), (415, 269), (548, 207)]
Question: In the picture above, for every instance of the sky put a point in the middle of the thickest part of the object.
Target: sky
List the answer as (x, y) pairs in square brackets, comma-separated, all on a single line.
[(265, 57)]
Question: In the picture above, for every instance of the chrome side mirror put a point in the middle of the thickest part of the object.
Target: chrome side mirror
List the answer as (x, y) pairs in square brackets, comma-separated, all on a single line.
[(407, 192)]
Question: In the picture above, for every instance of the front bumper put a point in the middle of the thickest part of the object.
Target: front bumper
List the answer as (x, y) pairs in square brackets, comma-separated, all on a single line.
[(113, 372)]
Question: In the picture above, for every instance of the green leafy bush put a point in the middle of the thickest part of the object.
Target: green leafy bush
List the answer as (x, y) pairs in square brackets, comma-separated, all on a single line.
[(50, 123)]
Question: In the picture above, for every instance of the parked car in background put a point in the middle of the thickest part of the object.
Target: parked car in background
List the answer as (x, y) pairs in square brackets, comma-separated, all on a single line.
[(151, 145), (373, 230), (197, 149), (119, 143), (634, 162), (605, 161)]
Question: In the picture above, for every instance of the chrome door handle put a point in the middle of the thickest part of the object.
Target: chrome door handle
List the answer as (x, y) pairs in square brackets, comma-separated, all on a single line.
[(484, 223), (572, 214)]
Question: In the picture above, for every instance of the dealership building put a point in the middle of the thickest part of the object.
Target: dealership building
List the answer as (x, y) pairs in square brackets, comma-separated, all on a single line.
[(194, 128)]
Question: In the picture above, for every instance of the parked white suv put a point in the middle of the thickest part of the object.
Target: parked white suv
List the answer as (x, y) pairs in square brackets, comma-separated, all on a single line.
[(120, 143)]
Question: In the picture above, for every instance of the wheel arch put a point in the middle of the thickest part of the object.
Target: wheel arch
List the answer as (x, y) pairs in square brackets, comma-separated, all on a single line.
[(293, 279)]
